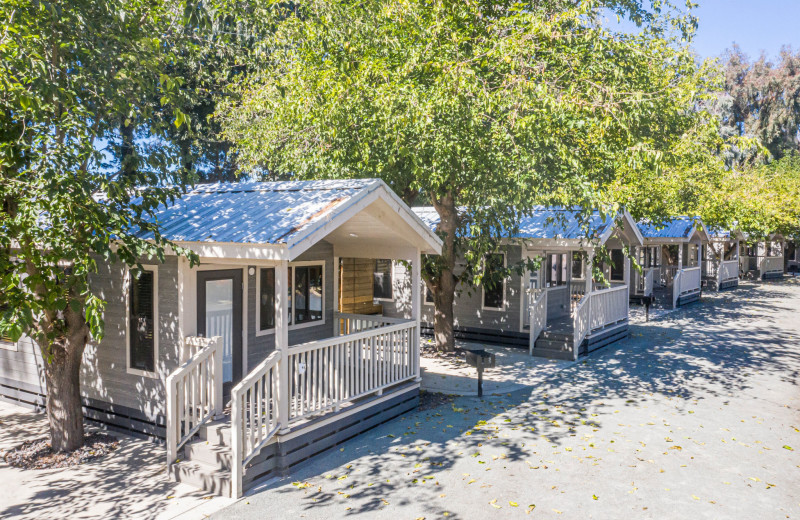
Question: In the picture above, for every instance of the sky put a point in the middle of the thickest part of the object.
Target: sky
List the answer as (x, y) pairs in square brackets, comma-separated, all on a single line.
[(755, 25)]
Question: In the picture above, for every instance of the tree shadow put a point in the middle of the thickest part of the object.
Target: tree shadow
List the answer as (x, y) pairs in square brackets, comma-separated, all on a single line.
[(707, 349)]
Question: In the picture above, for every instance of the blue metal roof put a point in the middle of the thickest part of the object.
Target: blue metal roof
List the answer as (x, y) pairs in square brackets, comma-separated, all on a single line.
[(543, 223), (677, 227), (719, 233), (255, 212)]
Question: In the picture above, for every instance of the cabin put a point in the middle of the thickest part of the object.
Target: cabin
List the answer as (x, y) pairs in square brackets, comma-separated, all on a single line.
[(721, 262), (763, 259), (243, 365), (673, 253), (559, 311), (792, 258)]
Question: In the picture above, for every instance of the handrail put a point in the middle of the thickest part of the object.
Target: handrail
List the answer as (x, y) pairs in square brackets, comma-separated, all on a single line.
[(599, 309), (194, 393), (538, 318), (771, 264), (323, 375), (254, 416), (347, 323), (580, 323)]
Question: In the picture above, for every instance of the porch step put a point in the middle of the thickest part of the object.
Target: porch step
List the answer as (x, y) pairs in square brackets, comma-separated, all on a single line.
[(217, 432), (216, 455), (204, 476)]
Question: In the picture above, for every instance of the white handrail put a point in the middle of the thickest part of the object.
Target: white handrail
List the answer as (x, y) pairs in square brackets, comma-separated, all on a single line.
[(323, 375), (194, 393), (346, 323), (254, 416), (538, 318), (597, 310), (580, 323)]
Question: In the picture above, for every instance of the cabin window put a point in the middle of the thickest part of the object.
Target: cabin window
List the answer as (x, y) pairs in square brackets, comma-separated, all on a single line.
[(307, 293), (142, 320), (382, 278), (494, 296), (305, 296), (655, 257), (266, 318), (428, 295), (557, 265), (577, 265), (617, 265)]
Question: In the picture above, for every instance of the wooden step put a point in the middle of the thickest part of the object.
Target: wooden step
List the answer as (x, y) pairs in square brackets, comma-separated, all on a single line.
[(203, 476), (216, 432), (216, 455)]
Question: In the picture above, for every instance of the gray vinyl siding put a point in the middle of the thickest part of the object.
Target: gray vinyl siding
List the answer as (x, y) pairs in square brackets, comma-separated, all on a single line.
[(468, 304), (104, 374), (259, 347), (22, 362)]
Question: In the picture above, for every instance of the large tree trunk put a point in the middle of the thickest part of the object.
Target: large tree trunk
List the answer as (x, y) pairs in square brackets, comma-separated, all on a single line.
[(62, 373), (445, 287)]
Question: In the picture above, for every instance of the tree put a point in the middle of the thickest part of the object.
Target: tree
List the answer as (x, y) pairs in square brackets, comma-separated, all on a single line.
[(72, 73), (482, 109), (762, 99)]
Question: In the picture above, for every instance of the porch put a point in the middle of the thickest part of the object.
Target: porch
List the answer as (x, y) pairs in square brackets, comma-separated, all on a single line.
[(296, 403)]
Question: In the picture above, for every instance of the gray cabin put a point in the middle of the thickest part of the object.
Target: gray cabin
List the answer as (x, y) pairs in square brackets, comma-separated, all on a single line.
[(244, 365)]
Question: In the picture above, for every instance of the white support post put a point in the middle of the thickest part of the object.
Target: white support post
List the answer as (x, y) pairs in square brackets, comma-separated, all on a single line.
[(336, 301), (587, 274), (172, 423), (219, 405), (416, 305), (282, 342)]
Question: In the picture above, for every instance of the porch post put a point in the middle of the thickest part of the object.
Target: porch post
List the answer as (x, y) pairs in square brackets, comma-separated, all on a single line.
[(282, 342), (416, 307), (587, 270), (336, 301)]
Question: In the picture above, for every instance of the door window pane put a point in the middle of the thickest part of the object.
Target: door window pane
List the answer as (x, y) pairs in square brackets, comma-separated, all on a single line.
[(382, 280), (219, 320), (142, 322)]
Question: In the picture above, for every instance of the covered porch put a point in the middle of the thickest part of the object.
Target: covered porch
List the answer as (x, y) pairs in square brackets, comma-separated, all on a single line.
[(569, 311), (273, 372), (721, 265)]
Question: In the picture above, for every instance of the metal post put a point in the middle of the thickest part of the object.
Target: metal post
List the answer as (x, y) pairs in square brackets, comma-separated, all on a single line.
[(480, 376)]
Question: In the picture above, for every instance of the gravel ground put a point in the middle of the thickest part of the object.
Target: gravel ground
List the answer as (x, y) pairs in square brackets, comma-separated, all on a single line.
[(695, 415)]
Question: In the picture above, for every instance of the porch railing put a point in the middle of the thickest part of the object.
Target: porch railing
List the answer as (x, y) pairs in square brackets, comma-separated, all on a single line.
[(194, 393), (648, 281), (772, 264), (597, 310), (689, 280), (325, 374), (254, 416), (538, 316), (728, 270), (351, 323)]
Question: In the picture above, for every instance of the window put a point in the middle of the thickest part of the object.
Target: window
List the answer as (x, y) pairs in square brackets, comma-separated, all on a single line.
[(307, 294), (617, 264), (382, 280), (494, 295), (556, 270), (267, 299), (143, 320), (428, 295), (577, 265), (304, 295)]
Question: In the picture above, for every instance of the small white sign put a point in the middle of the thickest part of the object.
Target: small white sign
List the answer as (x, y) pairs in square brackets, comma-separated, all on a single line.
[(302, 368)]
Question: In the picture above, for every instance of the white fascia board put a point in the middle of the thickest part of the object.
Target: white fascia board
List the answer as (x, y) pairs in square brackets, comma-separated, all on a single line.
[(235, 251), (656, 241), (355, 205)]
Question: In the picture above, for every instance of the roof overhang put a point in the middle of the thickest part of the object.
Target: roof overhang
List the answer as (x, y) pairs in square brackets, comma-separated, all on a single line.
[(625, 225)]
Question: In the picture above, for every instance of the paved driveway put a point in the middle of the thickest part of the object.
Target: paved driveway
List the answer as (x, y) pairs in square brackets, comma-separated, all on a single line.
[(696, 415)]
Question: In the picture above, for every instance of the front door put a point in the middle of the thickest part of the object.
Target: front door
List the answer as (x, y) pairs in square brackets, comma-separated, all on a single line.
[(219, 313)]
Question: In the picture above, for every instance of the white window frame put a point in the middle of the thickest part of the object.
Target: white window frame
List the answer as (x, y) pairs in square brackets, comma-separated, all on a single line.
[(293, 326), (483, 290), (392, 273), (424, 294), (156, 319)]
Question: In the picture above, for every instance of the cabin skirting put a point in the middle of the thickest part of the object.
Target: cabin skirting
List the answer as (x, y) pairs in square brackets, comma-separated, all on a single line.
[(730, 284), (493, 336), (686, 299), (106, 415), (603, 337), (311, 439), (771, 276)]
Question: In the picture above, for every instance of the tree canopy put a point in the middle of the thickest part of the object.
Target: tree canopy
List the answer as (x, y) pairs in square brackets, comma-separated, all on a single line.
[(482, 109)]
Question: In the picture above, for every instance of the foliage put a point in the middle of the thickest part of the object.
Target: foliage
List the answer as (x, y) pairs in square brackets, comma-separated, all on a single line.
[(70, 73), (480, 108), (762, 100)]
